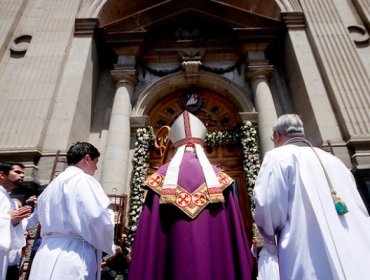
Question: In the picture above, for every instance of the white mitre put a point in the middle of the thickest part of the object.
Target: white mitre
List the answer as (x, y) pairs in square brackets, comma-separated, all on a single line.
[(187, 129)]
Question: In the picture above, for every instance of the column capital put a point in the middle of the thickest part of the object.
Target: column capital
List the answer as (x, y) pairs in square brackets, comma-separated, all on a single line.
[(124, 76), (255, 72), (139, 121), (249, 116)]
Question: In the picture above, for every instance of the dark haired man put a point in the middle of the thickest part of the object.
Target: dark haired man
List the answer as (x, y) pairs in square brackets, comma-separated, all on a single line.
[(76, 225), (11, 231)]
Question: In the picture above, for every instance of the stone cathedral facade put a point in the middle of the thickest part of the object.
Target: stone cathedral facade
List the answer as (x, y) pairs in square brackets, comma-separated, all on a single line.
[(97, 70)]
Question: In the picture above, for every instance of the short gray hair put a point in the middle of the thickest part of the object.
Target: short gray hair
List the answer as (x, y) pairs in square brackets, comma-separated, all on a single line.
[(289, 125)]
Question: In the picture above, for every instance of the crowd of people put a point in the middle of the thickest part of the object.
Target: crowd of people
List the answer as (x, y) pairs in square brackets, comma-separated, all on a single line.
[(309, 213)]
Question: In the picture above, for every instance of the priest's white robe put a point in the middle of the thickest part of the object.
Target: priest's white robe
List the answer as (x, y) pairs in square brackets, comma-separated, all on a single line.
[(298, 221), (11, 237), (76, 227), (14, 256)]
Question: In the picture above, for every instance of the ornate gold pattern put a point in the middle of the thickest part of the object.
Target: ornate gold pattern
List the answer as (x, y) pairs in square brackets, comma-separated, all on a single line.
[(190, 203)]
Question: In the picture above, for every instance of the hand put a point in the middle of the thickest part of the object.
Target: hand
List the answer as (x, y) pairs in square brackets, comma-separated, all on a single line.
[(127, 259), (17, 215), (32, 200), (118, 251)]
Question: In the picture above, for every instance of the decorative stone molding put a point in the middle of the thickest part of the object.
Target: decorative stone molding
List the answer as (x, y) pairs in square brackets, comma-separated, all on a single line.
[(292, 13), (4, 152), (124, 76), (85, 26), (359, 35), (289, 5), (249, 116), (139, 121), (173, 82), (361, 154), (294, 20), (191, 54), (191, 67), (90, 8), (259, 71)]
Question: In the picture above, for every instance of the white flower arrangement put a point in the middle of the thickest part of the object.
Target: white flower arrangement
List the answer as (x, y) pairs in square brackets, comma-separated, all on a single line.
[(252, 164), (140, 167), (246, 134)]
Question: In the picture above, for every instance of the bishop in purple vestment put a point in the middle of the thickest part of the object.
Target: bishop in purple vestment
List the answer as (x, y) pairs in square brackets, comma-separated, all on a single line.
[(190, 230)]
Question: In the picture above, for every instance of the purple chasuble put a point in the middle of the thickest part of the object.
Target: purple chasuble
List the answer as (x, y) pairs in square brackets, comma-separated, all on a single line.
[(171, 246)]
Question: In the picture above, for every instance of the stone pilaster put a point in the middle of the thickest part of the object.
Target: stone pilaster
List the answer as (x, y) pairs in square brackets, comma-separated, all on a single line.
[(347, 79)]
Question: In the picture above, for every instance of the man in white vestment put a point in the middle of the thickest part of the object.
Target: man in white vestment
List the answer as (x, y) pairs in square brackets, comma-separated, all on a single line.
[(76, 225), (308, 235), (11, 229)]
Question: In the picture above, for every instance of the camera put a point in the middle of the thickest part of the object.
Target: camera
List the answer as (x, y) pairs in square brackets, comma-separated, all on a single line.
[(31, 203), (125, 252)]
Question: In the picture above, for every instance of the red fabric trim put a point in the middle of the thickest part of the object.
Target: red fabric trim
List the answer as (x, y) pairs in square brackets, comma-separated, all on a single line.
[(214, 190), (168, 191), (187, 125), (194, 140)]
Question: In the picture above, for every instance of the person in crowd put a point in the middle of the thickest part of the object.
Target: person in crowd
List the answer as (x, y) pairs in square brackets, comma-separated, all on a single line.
[(116, 267), (11, 229), (190, 226), (15, 256), (76, 226), (309, 212)]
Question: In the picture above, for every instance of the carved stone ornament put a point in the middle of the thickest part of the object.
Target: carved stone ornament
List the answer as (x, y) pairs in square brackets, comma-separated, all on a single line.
[(191, 67), (20, 46), (359, 35)]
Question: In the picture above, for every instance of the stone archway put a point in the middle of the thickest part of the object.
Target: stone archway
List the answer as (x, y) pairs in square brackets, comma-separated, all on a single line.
[(178, 81), (163, 100)]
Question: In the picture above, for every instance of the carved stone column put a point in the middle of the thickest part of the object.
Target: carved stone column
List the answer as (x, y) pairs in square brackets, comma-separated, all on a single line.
[(264, 104), (116, 155)]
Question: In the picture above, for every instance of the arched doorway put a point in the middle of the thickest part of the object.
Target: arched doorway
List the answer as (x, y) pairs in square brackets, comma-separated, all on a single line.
[(217, 113)]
